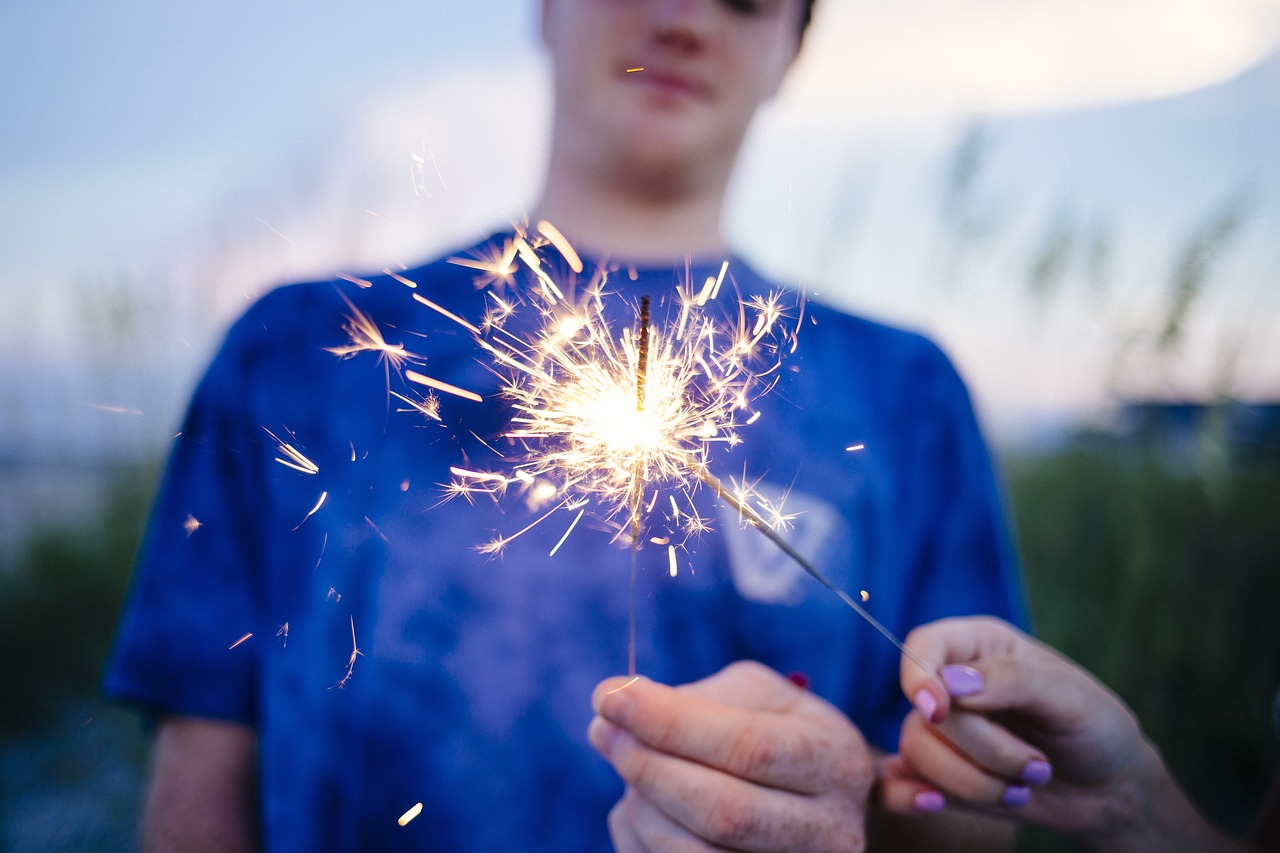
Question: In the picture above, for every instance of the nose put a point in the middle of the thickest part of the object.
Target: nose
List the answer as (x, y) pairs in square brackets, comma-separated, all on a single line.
[(682, 24)]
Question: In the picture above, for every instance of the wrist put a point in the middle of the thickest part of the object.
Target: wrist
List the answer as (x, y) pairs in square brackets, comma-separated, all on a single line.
[(1147, 810)]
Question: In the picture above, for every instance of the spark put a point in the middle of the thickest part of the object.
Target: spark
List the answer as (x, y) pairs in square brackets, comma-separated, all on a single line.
[(409, 283), (365, 336), (410, 814), (495, 265), (589, 419), (415, 376), (239, 641), (358, 282), (283, 634), (552, 233), (454, 317), (671, 558), (191, 525), (266, 225), (314, 509), (355, 653), (574, 524), (428, 406), (634, 70), (114, 410), (293, 457), (854, 447)]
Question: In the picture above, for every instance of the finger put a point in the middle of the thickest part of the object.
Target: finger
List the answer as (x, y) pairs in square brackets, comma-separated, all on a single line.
[(770, 747), (635, 824), (995, 749), (944, 647), (897, 790), (930, 757), (711, 804)]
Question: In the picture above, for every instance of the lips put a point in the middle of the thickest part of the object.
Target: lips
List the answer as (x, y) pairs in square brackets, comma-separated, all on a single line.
[(668, 82)]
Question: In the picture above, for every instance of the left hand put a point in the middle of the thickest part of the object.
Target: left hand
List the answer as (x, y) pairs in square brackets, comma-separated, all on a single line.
[(742, 760)]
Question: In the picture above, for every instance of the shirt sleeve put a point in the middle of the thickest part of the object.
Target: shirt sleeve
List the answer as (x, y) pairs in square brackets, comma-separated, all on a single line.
[(195, 590), (957, 554)]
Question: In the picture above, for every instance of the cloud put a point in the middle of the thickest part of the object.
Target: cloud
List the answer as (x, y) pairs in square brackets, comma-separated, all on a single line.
[(912, 59)]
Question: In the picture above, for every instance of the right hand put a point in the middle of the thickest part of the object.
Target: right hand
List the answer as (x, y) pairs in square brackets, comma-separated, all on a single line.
[(1013, 727)]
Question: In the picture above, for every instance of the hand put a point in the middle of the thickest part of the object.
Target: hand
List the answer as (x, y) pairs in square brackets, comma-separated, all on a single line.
[(743, 760), (1013, 727)]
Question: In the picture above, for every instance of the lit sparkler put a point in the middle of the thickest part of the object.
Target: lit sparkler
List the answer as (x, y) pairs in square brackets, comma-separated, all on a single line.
[(610, 417)]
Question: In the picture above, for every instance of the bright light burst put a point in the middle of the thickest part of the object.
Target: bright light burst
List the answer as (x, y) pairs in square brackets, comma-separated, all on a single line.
[(616, 415)]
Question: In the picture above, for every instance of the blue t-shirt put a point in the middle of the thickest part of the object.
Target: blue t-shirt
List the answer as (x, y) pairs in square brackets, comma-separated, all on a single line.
[(470, 690)]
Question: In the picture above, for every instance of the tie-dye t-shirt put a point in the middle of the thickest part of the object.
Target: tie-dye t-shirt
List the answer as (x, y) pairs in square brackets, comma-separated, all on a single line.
[(306, 516)]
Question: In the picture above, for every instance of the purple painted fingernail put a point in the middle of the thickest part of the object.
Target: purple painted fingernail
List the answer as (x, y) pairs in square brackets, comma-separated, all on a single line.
[(929, 802), (1036, 773), (1016, 796), (961, 680), (925, 704)]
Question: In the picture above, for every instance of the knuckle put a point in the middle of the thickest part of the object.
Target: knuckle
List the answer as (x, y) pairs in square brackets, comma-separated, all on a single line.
[(752, 755), (730, 821)]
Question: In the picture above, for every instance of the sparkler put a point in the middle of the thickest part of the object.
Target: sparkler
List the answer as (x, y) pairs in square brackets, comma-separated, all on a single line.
[(604, 416)]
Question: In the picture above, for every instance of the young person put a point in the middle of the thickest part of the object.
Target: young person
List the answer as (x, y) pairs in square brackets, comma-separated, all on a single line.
[(312, 625)]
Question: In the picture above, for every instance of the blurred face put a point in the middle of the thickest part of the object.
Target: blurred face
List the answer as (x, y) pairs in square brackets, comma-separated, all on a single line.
[(706, 65)]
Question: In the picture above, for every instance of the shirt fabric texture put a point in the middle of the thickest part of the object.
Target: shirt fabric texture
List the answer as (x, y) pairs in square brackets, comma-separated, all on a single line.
[(470, 689)]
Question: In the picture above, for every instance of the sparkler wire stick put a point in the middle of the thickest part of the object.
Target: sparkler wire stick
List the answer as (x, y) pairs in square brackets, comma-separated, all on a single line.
[(753, 518), (637, 497)]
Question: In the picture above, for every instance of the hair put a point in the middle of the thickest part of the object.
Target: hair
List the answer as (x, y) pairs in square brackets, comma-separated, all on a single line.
[(806, 16)]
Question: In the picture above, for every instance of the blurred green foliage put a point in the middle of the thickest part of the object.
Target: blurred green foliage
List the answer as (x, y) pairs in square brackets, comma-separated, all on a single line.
[(59, 599), (1164, 580)]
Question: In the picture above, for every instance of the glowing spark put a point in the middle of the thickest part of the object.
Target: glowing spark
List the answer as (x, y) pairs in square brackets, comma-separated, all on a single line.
[(314, 509), (275, 232), (359, 282), (574, 524), (410, 815), (454, 317), (634, 70), (333, 595), (113, 410), (191, 525), (294, 458), (365, 336), (866, 596), (406, 282), (853, 447), (415, 376), (671, 557), (355, 653), (496, 266), (283, 634), (552, 233), (428, 406), (239, 641)]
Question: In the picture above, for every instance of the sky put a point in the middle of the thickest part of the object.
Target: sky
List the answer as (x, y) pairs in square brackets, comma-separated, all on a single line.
[(163, 163)]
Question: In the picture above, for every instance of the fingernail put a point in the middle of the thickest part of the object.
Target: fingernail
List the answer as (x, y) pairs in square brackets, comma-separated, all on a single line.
[(961, 680), (1036, 773), (925, 704), (1016, 796), (799, 679), (928, 802)]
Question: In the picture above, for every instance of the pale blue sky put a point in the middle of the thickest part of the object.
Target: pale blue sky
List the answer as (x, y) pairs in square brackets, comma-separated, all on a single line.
[(201, 152)]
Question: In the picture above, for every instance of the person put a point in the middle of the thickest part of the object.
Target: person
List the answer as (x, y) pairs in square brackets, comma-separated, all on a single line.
[(1007, 727), (314, 629)]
